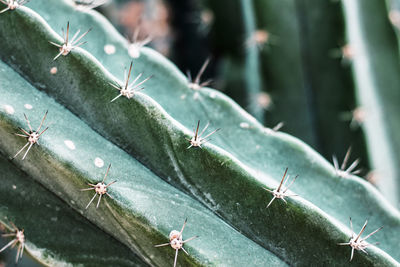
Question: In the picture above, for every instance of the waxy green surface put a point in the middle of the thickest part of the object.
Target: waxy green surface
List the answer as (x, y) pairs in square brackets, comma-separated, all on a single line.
[(56, 235), (228, 177), (232, 35), (144, 208), (376, 71), (306, 74)]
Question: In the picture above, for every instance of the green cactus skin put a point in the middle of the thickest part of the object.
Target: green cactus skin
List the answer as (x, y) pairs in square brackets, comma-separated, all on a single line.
[(189, 47), (151, 135), (285, 54), (319, 88), (56, 235), (145, 208), (232, 32), (376, 72)]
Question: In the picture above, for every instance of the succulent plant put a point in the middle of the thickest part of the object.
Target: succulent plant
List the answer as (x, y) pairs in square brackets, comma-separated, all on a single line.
[(306, 40), (233, 38), (375, 70), (326, 47), (52, 228), (219, 188)]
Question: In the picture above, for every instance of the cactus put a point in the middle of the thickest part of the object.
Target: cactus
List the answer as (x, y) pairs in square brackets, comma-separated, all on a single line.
[(232, 37), (309, 36), (376, 71), (305, 40), (53, 229), (309, 41), (219, 188), (190, 35), (134, 220)]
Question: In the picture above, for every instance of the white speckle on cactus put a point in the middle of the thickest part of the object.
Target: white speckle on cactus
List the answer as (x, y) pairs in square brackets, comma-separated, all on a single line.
[(244, 125), (213, 94), (14, 187), (183, 96), (9, 109), (53, 70), (70, 144), (98, 162), (28, 106), (109, 49)]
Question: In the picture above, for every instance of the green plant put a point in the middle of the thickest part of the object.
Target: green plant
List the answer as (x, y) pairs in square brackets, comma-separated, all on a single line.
[(219, 188), (375, 71), (52, 226), (301, 71)]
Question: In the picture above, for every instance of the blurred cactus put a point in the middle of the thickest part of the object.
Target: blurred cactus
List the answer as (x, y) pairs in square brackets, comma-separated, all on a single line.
[(375, 70), (327, 92)]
